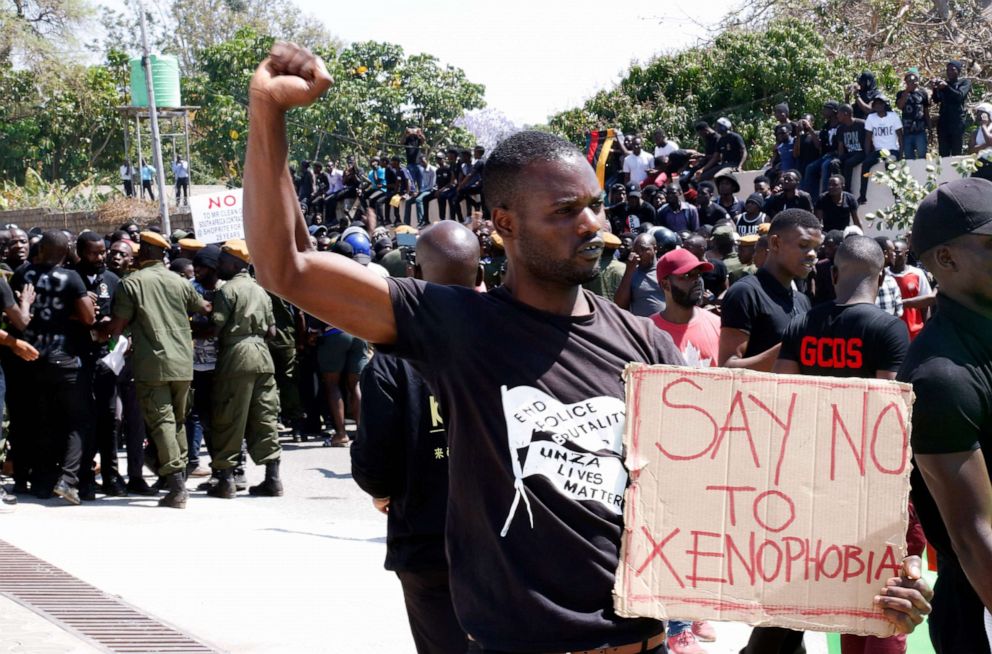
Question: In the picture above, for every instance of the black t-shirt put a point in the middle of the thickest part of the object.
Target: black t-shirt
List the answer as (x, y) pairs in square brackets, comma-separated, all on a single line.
[(914, 112), (845, 340), (401, 452), (759, 305), (412, 146), (51, 331), (394, 180), (733, 208), (836, 216), (778, 203), (809, 150), (711, 213), (533, 545), (6, 298), (103, 285), (950, 367), (624, 219), (823, 275), (852, 136), (715, 281), (731, 147), (443, 176)]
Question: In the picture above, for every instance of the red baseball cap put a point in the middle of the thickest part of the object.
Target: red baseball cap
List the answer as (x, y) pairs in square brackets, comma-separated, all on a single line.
[(680, 261)]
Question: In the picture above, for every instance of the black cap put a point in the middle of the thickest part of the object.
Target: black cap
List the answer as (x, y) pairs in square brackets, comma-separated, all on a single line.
[(634, 190), (962, 206), (207, 256)]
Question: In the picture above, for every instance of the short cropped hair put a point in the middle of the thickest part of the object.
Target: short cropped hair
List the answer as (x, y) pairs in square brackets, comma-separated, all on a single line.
[(503, 172), (793, 218)]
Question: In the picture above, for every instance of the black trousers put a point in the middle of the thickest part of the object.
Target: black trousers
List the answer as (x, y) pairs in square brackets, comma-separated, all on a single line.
[(775, 640), (146, 185), (128, 187), (848, 163), (20, 379), (949, 143), (432, 617), (132, 423), (203, 403), (63, 422), (957, 624), (100, 387), (182, 184)]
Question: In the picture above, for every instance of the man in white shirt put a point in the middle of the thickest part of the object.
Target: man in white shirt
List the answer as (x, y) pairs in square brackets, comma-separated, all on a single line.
[(180, 170), (883, 131), (637, 164), (663, 146)]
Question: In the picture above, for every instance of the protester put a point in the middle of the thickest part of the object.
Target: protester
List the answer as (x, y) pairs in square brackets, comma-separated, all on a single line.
[(568, 346), (695, 332), (913, 102), (757, 309), (637, 163), (914, 288), (837, 208), (883, 133), (180, 171), (949, 367), (639, 291), (400, 457), (951, 94)]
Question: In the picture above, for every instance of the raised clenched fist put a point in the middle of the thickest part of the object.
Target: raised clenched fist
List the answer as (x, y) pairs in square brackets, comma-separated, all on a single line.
[(291, 76)]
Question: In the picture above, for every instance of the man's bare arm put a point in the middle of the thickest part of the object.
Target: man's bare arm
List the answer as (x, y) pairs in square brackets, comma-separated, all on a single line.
[(328, 286), (960, 485), (733, 344)]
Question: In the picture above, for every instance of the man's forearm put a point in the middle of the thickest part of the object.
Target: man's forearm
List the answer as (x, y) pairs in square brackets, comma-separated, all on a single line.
[(974, 551), (274, 226)]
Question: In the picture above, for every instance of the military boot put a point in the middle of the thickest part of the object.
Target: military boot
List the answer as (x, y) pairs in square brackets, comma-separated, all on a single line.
[(224, 488), (272, 486), (177, 495), (240, 480)]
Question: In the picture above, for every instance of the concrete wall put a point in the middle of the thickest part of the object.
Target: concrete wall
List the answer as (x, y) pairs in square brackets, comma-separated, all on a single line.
[(879, 197), (76, 221)]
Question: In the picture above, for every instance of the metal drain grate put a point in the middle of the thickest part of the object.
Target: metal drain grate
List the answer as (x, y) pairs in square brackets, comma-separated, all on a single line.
[(85, 611)]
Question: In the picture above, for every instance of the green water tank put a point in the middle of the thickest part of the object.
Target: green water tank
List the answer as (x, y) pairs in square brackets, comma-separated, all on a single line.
[(165, 77)]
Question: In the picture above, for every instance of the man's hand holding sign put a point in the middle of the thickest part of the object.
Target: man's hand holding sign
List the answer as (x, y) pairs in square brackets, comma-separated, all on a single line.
[(769, 499)]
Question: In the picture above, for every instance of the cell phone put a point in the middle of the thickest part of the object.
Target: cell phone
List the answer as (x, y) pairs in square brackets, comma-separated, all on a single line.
[(407, 241)]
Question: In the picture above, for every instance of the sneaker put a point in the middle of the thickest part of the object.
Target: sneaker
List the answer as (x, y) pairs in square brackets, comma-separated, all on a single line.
[(684, 643), (7, 501), (197, 471), (704, 632), (327, 442), (66, 492)]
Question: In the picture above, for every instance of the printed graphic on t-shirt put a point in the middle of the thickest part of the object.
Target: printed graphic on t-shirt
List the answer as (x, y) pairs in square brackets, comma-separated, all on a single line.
[(576, 446), (694, 358)]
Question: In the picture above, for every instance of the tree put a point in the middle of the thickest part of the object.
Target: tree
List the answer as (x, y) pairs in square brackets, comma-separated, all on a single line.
[(378, 91), (31, 29), (487, 126), (742, 74), (188, 28)]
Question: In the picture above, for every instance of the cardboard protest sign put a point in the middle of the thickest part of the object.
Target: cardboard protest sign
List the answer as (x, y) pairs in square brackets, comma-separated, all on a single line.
[(218, 217), (768, 499)]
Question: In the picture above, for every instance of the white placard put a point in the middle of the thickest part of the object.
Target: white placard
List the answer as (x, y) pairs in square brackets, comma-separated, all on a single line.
[(218, 217)]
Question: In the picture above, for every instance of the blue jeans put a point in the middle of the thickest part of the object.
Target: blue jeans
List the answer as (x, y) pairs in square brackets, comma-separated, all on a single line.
[(914, 146), (675, 627), (417, 173), (419, 200), (816, 174)]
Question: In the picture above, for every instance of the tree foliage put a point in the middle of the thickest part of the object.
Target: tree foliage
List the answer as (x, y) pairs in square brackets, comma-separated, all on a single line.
[(378, 91), (32, 31), (742, 74)]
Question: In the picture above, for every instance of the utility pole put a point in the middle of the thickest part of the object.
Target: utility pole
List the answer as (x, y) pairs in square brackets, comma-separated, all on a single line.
[(146, 63)]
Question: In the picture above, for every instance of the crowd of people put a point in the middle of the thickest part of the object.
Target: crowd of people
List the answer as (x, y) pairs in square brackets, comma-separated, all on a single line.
[(539, 286)]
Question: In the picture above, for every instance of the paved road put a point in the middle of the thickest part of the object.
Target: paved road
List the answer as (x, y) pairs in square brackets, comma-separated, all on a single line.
[(302, 573)]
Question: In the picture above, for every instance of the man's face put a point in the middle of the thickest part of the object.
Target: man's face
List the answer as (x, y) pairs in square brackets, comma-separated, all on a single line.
[(888, 250), (618, 195), (951, 73), (782, 135), (745, 252), (119, 259), (827, 113), (973, 255), (790, 182), (845, 118), (626, 245), (18, 246), (761, 187), (659, 139), (705, 195), (900, 252), (204, 275), (633, 202), (835, 186), (795, 249), (781, 116), (188, 272), (687, 289), (911, 82), (93, 256), (636, 146), (646, 249), (556, 220), (696, 244), (724, 187), (478, 152), (485, 239), (452, 158), (673, 198)]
